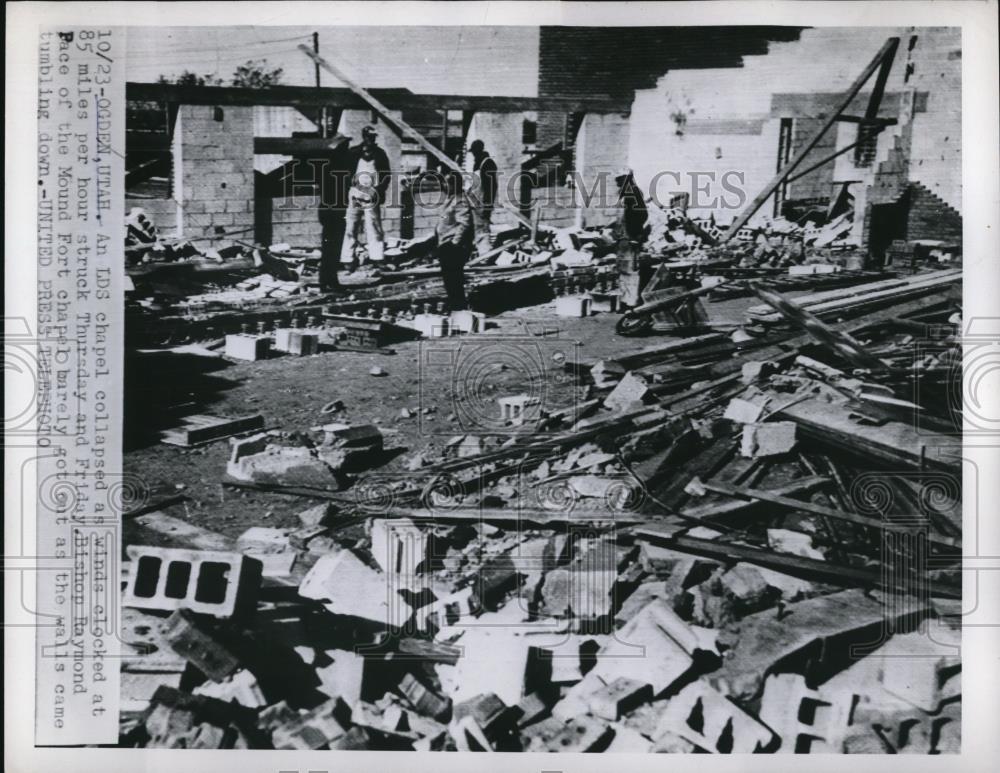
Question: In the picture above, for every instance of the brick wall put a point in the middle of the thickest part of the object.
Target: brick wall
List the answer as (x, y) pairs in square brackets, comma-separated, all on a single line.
[(163, 213), (930, 217), (214, 174)]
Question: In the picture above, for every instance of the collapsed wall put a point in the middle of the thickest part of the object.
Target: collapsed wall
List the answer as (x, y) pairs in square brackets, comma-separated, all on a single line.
[(720, 135)]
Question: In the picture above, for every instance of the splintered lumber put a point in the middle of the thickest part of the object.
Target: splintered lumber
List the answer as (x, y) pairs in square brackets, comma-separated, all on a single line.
[(860, 297), (824, 512), (892, 443), (199, 428), (731, 505), (669, 535), (515, 515), (839, 341)]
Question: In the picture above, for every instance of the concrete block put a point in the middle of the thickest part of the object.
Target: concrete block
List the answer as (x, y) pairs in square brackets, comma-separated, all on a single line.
[(713, 723), (665, 660), (618, 698), (466, 321), (316, 730), (573, 306), (805, 720), (298, 342), (209, 582), (352, 436), (743, 411), (494, 659), (194, 642), (581, 734), (401, 549), (281, 464), (241, 688), (632, 390), (423, 699), (604, 303), (431, 325), (519, 408), (343, 676), (247, 347), (320, 515), (262, 539), (348, 587)]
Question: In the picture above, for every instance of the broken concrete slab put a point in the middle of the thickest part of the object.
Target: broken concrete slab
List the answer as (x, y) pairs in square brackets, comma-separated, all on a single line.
[(795, 542), (804, 640), (281, 464), (644, 649), (768, 439), (347, 586)]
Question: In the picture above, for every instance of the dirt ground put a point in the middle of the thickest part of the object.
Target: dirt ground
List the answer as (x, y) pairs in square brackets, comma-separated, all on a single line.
[(448, 387)]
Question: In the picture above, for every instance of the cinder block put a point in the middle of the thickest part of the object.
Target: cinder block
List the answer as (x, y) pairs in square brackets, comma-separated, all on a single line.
[(210, 582), (317, 729), (247, 347), (431, 325), (618, 698), (191, 639), (573, 306), (297, 342), (466, 321), (605, 303)]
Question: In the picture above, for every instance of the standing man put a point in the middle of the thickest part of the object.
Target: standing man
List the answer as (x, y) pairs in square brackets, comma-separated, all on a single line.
[(486, 169), (334, 177), (369, 183), (631, 232), (454, 235)]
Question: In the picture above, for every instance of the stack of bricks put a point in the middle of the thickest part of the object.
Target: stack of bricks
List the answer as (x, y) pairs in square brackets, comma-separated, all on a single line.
[(214, 172)]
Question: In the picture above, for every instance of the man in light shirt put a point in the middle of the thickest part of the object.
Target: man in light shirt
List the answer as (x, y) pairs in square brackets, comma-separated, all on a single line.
[(369, 183)]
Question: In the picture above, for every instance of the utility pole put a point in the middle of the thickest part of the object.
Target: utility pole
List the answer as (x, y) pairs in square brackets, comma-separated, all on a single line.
[(321, 112)]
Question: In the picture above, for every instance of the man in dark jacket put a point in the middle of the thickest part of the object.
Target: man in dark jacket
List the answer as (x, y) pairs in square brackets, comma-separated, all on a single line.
[(454, 234), (369, 183), (335, 170), (485, 169)]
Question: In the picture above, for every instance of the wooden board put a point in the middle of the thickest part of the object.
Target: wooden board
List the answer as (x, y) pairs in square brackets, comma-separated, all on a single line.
[(201, 428)]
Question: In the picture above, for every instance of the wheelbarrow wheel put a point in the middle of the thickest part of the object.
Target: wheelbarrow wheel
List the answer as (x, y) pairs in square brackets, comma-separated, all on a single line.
[(630, 324)]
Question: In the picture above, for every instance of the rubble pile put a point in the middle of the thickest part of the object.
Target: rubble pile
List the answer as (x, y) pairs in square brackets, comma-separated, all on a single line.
[(713, 551)]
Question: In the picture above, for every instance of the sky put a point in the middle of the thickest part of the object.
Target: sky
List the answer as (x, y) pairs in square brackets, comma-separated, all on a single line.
[(497, 61)]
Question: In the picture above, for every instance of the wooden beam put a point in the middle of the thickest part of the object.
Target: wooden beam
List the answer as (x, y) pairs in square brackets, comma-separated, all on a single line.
[(885, 54), (400, 99), (824, 512), (807, 568), (404, 127), (294, 146)]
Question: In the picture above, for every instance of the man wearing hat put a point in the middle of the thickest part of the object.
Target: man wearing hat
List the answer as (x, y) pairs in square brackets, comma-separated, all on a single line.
[(485, 169), (369, 184), (336, 167)]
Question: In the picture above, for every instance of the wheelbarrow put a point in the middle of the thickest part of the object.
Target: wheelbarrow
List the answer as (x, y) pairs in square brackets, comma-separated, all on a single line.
[(683, 310)]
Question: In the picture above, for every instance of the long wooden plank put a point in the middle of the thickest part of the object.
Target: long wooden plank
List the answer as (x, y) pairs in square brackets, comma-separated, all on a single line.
[(798, 566), (400, 99), (806, 506)]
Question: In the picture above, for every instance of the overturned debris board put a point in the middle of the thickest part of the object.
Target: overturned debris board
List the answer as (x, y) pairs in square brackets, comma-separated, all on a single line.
[(201, 428)]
